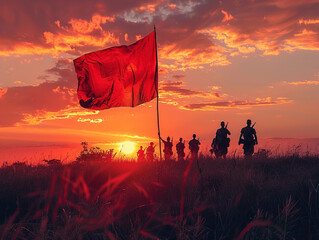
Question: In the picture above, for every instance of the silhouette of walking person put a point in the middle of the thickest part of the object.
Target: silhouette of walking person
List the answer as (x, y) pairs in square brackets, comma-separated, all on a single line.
[(194, 147), (168, 145), (221, 141), (248, 137), (180, 150), (150, 152), (140, 155)]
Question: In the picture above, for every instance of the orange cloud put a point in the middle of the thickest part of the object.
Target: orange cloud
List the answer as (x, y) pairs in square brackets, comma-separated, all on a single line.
[(81, 33), (65, 92), (150, 8), (176, 89), (306, 40), (3, 91), (158, 8), (193, 34), (242, 43), (168, 101), (42, 115), (265, 41), (235, 41), (225, 105), (126, 37), (227, 16), (290, 3), (191, 58), (175, 93), (27, 48), (77, 34), (18, 82), (302, 83), (265, 32), (146, 12), (308, 21), (172, 6), (83, 26), (97, 120)]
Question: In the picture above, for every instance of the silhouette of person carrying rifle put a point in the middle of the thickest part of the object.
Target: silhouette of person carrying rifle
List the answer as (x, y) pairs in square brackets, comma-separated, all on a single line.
[(248, 137), (140, 155), (221, 142), (150, 152), (180, 149), (168, 145), (194, 147)]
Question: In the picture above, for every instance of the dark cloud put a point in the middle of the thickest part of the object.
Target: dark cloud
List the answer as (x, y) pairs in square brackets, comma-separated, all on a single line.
[(177, 89), (26, 21), (212, 106), (190, 33), (178, 76), (49, 96)]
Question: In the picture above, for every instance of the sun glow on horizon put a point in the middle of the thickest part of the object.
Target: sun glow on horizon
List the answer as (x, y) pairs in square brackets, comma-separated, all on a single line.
[(127, 147)]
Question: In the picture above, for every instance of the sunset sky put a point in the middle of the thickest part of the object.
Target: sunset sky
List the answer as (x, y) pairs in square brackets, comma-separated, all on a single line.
[(218, 60)]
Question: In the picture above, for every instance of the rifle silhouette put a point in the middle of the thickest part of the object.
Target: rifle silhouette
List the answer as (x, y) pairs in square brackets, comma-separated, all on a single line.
[(253, 127), (199, 169)]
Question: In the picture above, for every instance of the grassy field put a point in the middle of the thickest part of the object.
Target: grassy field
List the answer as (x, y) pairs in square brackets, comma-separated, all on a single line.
[(264, 198)]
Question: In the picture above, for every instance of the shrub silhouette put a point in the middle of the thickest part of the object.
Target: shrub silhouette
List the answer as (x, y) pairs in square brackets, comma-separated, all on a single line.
[(95, 154)]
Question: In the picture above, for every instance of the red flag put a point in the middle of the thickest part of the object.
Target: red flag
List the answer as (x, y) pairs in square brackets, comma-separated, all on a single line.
[(118, 76)]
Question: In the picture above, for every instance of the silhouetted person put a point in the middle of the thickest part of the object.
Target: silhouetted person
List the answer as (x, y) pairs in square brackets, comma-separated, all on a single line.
[(214, 147), (194, 147), (150, 152), (249, 138), (221, 143), (140, 155), (167, 148), (180, 150)]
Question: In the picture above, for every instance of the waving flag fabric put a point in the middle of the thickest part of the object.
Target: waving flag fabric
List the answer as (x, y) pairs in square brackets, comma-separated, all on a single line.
[(118, 76)]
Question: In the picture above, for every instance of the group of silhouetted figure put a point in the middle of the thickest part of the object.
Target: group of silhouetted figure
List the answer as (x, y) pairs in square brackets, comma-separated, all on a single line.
[(220, 144)]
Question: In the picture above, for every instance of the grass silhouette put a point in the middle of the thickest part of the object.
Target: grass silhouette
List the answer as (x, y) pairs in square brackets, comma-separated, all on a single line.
[(263, 198)]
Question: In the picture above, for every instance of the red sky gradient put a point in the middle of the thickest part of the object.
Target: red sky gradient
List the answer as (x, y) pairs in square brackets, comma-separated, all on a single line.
[(218, 60)]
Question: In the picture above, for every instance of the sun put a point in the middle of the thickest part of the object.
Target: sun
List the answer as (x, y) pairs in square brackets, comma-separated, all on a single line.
[(127, 147)]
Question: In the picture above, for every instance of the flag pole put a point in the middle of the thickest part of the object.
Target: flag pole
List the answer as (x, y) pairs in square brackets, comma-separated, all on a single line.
[(156, 86)]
